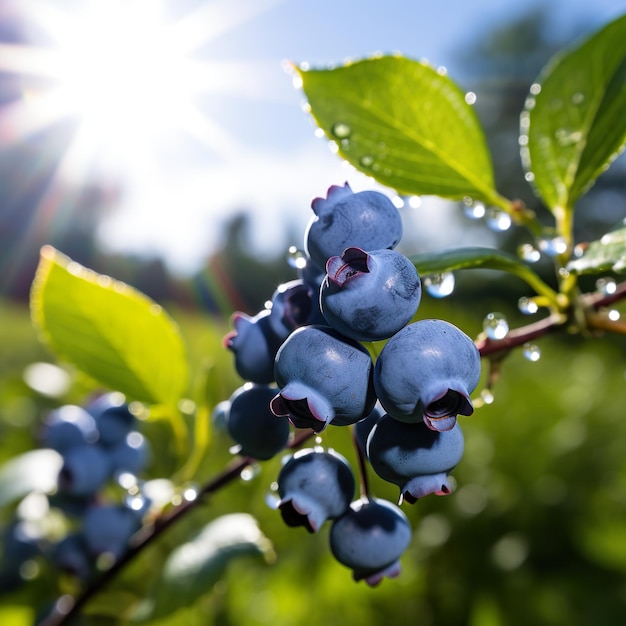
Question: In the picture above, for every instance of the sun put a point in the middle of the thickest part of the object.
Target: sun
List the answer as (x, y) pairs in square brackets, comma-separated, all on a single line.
[(126, 72)]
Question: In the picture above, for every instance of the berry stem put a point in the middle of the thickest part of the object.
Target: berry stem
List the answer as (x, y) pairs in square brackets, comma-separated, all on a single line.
[(67, 608), (364, 488)]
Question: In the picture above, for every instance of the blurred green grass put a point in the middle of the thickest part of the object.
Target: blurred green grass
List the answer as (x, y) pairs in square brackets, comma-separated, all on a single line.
[(534, 534)]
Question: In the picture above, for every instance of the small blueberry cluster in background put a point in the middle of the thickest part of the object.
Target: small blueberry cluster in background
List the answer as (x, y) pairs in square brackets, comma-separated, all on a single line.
[(305, 363), (100, 448)]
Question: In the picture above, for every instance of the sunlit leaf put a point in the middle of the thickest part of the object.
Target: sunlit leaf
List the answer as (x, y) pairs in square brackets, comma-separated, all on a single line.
[(36, 470), (193, 568), (574, 124), (405, 124), (108, 330), (606, 254), (479, 258)]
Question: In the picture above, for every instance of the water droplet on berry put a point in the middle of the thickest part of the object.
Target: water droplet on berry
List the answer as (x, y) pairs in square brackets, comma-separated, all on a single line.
[(296, 258), (472, 209), (439, 285), (495, 325), (607, 286), (341, 130), (497, 220), (527, 252), (527, 306), (552, 246), (531, 352)]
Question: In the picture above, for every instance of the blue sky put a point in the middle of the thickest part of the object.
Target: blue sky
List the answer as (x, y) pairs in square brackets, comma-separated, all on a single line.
[(259, 149)]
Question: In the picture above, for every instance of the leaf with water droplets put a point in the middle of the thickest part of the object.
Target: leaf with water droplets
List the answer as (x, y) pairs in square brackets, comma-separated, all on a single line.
[(604, 255), (108, 330), (479, 258), (574, 123), (405, 124)]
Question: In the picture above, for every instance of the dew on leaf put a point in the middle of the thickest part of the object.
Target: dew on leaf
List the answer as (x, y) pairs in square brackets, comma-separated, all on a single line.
[(535, 88), (531, 352), (415, 202), (529, 177), (578, 98), (497, 220), (495, 325), (439, 285), (527, 252), (474, 210), (367, 160), (341, 130), (527, 306), (470, 97)]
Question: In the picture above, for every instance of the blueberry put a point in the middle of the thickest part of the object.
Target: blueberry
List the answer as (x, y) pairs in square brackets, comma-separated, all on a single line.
[(323, 377), (112, 416), (70, 555), (294, 304), (107, 528), (427, 371), (413, 456), (18, 546), (85, 470), (251, 423), (363, 428), (68, 426), (370, 539), (130, 455), (254, 345), (369, 296), (314, 485), (367, 219)]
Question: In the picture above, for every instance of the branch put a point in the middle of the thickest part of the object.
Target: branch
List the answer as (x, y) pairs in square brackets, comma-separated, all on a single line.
[(67, 608)]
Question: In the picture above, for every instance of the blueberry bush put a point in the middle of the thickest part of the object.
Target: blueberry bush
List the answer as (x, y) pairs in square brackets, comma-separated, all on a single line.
[(349, 396)]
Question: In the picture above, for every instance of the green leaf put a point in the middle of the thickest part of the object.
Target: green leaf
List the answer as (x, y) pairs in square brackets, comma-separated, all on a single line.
[(405, 124), (480, 258), (605, 255), (574, 122), (36, 470), (109, 330), (194, 567)]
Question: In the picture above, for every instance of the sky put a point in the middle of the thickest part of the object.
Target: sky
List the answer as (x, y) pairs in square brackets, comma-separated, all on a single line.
[(223, 129)]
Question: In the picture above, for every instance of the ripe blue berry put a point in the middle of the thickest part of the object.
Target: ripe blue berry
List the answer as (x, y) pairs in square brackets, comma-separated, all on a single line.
[(323, 377), (369, 296), (367, 219), (314, 485), (131, 454), (370, 539), (113, 418), (414, 457), (107, 528), (85, 470), (70, 555), (294, 304), (68, 426), (251, 423), (254, 345), (427, 371)]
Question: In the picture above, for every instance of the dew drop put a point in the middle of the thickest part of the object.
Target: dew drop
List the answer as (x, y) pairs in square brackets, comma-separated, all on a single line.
[(552, 246), (531, 352), (614, 315), (415, 202), (527, 306), (578, 98), (607, 286), (334, 146), (529, 104), (398, 202), (439, 285), (367, 160), (272, 500), (472, 209), (341, 130), (296, 258), (497, 220), (529, 177), (495, 325), (190, 492), (535, 88), (523, 140), (470, 97), (486, 396), (527, 252), (319, 133), (250, 472)]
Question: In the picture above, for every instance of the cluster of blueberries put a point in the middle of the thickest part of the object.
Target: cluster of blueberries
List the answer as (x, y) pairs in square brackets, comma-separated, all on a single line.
[(305, 363), (99, 445)]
